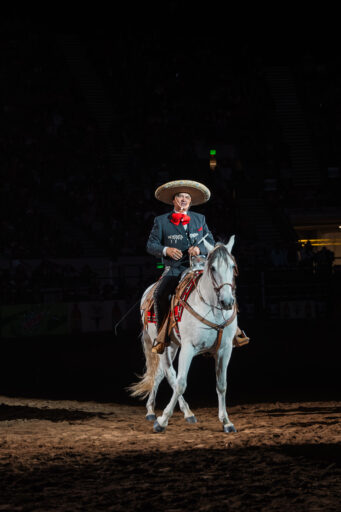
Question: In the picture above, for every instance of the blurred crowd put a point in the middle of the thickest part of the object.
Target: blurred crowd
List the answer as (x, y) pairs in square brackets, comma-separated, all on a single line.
[(49, 281), (286, 256), (57, 173)]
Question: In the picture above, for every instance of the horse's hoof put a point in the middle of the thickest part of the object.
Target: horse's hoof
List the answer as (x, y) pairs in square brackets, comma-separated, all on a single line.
[(191, 419), (157, 427), (151, 417), (229, 428)]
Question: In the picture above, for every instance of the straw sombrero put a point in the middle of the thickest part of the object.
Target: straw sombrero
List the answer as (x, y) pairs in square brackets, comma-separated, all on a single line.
[(198, 192)]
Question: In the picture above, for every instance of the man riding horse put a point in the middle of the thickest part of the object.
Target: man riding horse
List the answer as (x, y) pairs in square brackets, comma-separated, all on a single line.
[(174, 237)]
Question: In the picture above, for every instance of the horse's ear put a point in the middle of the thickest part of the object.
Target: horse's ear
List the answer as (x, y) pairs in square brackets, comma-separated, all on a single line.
[(230, 244), (208, 246)]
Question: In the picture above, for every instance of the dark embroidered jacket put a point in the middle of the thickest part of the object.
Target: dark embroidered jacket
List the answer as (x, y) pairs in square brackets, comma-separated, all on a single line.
[(165, 233)]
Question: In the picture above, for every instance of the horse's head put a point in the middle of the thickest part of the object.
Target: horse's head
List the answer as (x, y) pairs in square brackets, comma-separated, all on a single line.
[(222, 269)]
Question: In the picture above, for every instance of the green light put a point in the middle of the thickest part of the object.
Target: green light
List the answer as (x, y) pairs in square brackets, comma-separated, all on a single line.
[(160, 265), (213, 152)]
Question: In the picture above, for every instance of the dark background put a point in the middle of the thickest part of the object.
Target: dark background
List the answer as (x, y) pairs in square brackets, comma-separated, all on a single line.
[(98, 111)]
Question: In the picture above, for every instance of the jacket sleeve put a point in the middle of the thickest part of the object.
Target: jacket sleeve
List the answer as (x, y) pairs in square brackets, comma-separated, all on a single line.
[(209, 238), (154, 243)]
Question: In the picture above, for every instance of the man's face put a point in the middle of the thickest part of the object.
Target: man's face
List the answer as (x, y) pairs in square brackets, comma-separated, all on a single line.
[(182, 202)]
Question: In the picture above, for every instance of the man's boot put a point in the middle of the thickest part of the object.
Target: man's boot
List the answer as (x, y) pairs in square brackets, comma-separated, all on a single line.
[(161, 341), (162, 295)]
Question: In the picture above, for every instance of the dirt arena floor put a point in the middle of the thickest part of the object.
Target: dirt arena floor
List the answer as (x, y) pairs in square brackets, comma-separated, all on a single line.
[(79, 456)]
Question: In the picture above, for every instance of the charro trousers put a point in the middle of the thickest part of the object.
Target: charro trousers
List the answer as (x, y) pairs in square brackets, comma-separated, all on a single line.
[(163, 293)]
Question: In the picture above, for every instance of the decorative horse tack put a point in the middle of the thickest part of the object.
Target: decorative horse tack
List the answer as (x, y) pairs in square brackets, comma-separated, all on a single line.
[(179, 303), (218, 327), (183, 291), (209, 324)]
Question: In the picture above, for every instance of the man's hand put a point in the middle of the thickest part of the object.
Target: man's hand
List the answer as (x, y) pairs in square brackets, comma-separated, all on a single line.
[(194, 251), (173, 253)]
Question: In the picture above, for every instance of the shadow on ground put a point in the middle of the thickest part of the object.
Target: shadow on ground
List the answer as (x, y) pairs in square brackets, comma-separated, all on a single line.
[(22, 412), (255, 478)]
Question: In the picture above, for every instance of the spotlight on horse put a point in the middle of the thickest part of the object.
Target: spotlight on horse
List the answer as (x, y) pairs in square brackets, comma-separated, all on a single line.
[(208, 324)]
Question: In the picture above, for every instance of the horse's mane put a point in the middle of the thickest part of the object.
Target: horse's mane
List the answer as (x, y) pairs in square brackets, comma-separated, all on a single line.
[(220, 251)]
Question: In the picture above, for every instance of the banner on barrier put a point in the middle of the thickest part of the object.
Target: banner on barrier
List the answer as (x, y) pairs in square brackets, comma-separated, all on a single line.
[(298, 309), (62, 318), (33, 320), (95, 316)]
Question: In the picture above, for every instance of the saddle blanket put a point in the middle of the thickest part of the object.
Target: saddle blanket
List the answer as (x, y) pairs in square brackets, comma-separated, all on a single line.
[(183, 291)]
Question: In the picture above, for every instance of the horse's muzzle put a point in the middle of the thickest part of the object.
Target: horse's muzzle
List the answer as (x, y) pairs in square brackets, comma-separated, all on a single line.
[(227, 306)]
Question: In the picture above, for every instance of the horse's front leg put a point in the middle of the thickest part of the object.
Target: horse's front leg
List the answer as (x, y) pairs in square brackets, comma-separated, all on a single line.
[(167, 364), (222, 358), (185, 359)]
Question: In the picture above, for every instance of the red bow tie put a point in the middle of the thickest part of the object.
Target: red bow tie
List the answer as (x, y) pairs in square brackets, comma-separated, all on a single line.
[(177, 217)]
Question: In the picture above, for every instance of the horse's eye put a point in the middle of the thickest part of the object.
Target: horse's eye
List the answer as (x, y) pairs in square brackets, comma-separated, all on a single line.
[(213, 268)]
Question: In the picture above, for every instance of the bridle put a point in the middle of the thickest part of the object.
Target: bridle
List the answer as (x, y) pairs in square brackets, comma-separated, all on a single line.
[(218, 327), (217, 287)]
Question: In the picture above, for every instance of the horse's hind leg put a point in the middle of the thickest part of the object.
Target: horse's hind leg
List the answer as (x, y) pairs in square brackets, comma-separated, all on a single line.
[(150, 416), (167, 363)]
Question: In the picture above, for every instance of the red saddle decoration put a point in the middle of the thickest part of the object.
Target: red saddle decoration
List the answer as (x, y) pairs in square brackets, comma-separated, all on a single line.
[(178, 310)]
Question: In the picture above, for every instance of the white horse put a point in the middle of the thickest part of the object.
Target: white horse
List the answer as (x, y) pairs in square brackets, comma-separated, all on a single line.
[(208, 324)]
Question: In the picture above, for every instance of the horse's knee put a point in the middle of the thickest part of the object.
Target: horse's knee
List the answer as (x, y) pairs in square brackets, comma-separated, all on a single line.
[(181, 385), (221, 389)]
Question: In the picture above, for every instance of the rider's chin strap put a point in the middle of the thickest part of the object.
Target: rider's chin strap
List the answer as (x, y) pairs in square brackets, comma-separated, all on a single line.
[(218, 327)]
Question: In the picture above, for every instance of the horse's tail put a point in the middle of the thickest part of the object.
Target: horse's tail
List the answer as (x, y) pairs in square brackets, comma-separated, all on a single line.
[(143, 387)]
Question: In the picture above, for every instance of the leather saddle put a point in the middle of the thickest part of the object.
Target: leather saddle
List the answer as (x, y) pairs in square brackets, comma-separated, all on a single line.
[(182, 291)]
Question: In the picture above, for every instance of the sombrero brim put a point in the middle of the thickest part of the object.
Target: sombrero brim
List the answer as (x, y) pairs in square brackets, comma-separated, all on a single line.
[(198, 192)]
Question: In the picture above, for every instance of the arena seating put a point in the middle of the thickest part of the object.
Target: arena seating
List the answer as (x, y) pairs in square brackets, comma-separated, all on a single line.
[(63, 195)]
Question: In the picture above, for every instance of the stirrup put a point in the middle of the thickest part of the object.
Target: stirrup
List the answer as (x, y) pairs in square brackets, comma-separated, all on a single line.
[(240, 339), (158, 347)]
